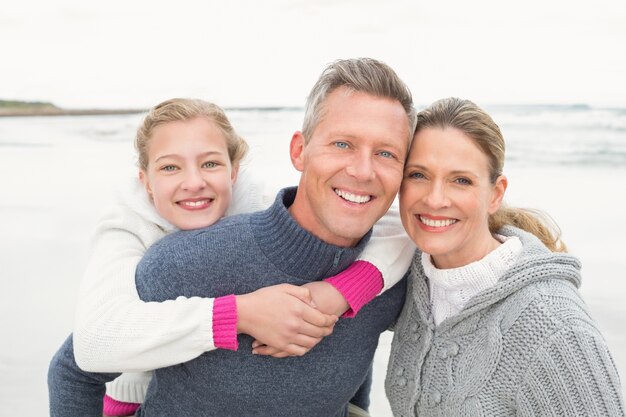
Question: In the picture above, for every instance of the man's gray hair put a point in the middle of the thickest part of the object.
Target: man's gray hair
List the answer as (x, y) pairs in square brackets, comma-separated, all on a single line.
[(364, 75)]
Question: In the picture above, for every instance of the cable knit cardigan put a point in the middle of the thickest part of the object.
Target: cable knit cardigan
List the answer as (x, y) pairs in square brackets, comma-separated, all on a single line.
[(525, 347)]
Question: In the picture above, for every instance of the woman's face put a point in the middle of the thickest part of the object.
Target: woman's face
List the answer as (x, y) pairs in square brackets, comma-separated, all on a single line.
[(446, 197), (189, 176)]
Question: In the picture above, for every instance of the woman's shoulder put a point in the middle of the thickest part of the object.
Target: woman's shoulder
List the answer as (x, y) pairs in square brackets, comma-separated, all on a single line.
[(546, 307)]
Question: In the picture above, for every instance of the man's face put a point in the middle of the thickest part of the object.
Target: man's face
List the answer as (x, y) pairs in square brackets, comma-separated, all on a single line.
[(351, 167)]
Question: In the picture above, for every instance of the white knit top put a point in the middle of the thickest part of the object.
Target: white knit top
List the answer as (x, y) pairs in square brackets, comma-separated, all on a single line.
[(451, 289)]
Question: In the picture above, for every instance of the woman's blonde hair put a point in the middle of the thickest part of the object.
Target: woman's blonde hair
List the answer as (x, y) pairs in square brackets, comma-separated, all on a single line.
[(182, 109), (470, 119)]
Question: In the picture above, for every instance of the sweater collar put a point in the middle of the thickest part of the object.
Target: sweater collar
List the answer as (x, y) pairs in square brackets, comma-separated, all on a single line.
[(282, 240), (476, 276), (534, 263), (451, 289)]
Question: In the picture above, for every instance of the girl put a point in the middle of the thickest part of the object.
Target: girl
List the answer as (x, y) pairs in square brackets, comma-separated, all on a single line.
[(493, 323), (189, 158)]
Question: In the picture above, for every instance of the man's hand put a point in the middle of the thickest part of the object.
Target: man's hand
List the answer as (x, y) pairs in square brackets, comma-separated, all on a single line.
[(325, 297), (283, 317)]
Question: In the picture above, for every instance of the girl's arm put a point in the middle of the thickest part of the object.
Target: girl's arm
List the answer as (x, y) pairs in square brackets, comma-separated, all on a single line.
[(115, 331), (384, 261)]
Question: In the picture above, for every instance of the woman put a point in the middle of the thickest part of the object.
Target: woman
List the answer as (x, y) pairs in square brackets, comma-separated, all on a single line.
[(493, 324)]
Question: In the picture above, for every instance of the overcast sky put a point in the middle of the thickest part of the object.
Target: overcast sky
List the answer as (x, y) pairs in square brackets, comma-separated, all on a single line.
[(269, 52)]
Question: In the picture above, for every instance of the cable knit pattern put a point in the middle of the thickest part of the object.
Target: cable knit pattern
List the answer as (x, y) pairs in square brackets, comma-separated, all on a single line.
[(451, 289), (526, 346)]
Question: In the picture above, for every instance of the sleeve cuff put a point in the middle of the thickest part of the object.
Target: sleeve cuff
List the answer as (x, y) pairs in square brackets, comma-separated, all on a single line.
[(358, 284), (225, 322)]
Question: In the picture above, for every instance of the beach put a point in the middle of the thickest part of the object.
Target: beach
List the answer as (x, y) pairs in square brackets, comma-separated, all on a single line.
[(58, 174)]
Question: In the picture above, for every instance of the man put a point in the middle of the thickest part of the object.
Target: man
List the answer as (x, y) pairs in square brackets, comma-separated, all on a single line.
[(351, 154)]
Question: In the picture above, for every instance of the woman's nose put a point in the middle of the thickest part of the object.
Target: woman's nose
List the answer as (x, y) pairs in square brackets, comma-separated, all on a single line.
[(436, 197)]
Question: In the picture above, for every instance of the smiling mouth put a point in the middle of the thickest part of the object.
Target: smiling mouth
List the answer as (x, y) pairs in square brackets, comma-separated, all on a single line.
[(195, 204), (352, 198), (437, 223)]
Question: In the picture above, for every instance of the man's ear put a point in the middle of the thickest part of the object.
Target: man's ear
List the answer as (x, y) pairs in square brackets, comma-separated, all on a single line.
[(296, 150), (498, 194), (143, 177)]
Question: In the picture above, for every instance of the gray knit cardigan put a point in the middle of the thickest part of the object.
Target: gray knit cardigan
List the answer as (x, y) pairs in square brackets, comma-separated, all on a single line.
[(525, 347)]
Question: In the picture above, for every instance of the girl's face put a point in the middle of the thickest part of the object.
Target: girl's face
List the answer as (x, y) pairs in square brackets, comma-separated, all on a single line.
[(189, 176), (446, 197)]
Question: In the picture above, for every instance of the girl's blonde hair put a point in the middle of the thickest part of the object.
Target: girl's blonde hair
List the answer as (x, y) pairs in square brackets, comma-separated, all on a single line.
[(470, 119), (182, 109)]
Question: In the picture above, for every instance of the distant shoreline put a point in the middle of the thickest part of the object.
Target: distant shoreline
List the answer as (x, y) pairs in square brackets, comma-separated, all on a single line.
[(27, 112), (34, 111)]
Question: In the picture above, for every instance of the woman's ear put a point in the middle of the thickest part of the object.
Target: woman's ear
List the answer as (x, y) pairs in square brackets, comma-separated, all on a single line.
[(498, 191)]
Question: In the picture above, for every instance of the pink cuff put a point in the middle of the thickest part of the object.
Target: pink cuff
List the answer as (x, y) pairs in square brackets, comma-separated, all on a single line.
[(112, 407), (359, 284), (225, 322)]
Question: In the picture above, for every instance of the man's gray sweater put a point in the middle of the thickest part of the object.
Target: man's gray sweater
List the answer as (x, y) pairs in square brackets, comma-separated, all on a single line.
[(239, 255)]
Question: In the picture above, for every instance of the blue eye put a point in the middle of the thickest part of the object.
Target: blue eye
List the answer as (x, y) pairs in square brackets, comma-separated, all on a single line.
[(209, 164), (463, 181), (416, 175), (386, 154), (342, 145)]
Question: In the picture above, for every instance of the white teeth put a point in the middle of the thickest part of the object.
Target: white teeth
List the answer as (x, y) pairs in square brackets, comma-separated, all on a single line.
[(353, 198), (437, 223), (194, 203)]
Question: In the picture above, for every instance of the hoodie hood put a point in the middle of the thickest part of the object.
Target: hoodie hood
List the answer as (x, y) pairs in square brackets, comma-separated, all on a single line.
[(134, 196)]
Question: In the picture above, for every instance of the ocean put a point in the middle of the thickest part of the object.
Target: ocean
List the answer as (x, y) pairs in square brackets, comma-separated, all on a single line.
[(535, 135), (58, 173)]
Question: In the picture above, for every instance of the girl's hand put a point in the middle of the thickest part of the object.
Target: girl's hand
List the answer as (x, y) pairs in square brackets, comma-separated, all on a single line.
[(326, 298), (284, 317)]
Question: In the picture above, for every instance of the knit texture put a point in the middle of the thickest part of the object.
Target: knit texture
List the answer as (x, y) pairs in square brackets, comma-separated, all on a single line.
[(526, 346), (390, 249), (359, 284), (451, 289), (130, 387), (225, 322), (114, 408), (116, 331), (238, 255)]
